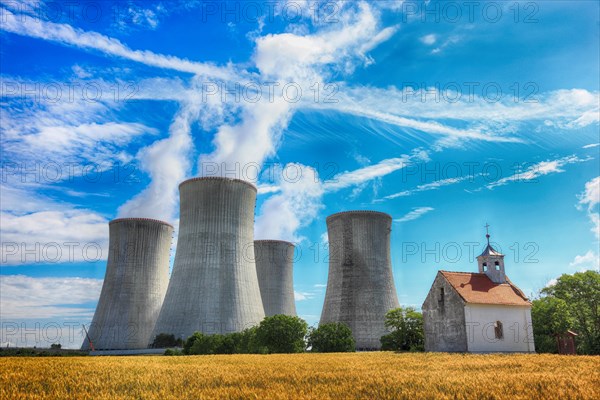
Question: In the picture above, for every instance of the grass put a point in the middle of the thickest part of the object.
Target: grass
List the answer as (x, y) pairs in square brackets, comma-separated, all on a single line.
[(304, 376)]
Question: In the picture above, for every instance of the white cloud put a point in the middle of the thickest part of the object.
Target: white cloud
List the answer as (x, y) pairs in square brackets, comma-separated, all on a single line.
[(24, 297), (365, 174), (91, 142), (588, 261), (252, 140), (301, 296), (427, 186), (534, 171), (296, 205), (590, 198), (265, 189), (451, 40), (551, 282), (46, 237), (167, 162), (325, 238), (415, 214), (591, 146), (429, 39), (305, 58), (25, 25), (485, 120), (349, 106), (128, 16)]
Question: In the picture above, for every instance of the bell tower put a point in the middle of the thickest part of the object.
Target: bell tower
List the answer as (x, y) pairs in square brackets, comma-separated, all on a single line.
[(490, 262)]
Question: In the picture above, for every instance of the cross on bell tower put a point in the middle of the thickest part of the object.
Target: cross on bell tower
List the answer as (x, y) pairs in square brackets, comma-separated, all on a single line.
[(491, 262)]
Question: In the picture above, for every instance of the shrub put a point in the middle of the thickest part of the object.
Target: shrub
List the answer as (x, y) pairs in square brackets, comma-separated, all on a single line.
[(232, 343), (332, 337), (173, 352), (163, 340), (281, 334)]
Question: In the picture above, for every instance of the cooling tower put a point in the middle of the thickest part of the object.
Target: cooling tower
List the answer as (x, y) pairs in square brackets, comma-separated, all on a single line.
[(360, 286), (213, 286), (274, 267), (135, 283)]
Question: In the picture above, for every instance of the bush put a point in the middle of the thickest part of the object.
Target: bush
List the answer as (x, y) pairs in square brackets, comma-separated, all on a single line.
[(333, 337), (276, 334), (55, 346), (232, 343), (173, 352), (281, 334), (407, 330), (163, 340)]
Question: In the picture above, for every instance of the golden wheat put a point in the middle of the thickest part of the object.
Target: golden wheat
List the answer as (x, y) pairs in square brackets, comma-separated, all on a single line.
[(303, 376)]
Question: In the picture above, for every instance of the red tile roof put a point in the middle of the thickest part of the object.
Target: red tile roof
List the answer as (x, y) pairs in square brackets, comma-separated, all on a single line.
[(479, 289)]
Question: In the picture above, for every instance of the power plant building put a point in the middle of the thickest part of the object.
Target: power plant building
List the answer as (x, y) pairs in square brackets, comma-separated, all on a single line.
[(213, 287), (135, 283), (360, 285), (274, 266)]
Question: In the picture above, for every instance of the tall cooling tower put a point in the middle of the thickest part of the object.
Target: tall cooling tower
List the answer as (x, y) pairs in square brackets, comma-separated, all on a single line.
[(360, 286), (274, 266), (135, 283), (213, 286)]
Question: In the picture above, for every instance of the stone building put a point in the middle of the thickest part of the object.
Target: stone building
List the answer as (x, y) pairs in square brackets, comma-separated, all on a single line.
[(480, 312)]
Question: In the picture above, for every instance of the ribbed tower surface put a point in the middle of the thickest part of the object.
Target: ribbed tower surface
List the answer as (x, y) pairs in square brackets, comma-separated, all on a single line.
[(213, 286), (360, 285), (274, 266), (135, 283)]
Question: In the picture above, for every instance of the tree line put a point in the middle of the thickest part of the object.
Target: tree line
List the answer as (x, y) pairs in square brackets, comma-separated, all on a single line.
[(288, 334)]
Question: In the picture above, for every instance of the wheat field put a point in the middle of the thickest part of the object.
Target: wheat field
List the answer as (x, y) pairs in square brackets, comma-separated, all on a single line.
[(376, 375)]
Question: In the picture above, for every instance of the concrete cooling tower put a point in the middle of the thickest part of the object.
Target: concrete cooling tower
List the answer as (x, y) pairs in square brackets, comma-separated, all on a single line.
[(360, 286), (274, 267), (213, 286), (135, 283)]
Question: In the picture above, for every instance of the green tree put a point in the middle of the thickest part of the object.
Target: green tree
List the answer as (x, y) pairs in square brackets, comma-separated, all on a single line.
[(581, 293), (332, 337), (549, 316), (406, 325), (245, 342), (282, 334)]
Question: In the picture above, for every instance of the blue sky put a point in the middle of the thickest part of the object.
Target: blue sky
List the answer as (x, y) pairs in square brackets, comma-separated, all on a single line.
[(445, 115)]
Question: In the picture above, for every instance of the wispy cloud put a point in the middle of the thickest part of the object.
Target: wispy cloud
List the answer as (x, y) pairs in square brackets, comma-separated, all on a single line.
[(415, 214), (365, 174), (534, 171), (590, 198), (485, 120), (428, 39), (591, 146), (25, 25), (588, 261), (427, 186), (301, 296)]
